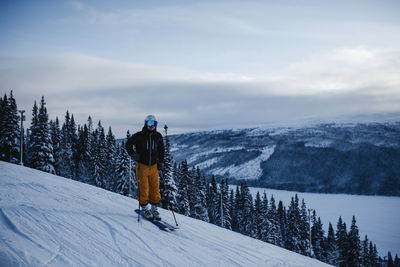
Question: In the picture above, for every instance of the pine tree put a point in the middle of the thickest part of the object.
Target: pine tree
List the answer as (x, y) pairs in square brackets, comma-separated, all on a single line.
[(373, 254), (390, 262), (354, 257), (99, 151), (304, 227), (3, 108), (55, 133), (65, 164), (332, 253), (41, 148), (168, 186), (222, 206), (317, 238), (273, 234), (293, 226), (85, 150), (245, 215), (341, 241), (235, 209), (396, 261), (183, 191), (10, 130), (212, 201), (110, 162), (365, 252), (124, 178), (84, 153), (259, 217), (282, 220), (232, 208), (200, 205), (265, 213)]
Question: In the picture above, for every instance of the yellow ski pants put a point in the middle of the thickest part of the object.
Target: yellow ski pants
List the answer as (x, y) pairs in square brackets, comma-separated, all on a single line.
[(148, 182)]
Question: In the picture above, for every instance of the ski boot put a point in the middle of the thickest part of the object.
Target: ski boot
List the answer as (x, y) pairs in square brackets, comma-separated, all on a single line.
[(156, 214), (147, 213)]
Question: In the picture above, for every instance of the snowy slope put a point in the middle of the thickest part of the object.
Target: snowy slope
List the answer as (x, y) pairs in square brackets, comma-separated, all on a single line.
[(49, 220)]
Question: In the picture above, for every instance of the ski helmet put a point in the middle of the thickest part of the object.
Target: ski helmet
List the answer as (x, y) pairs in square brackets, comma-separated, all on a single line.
[(151, 118)]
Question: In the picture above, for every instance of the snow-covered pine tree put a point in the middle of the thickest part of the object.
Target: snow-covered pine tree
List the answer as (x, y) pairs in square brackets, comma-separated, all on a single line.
[(293, 238), (226, 205), (304, 230), (331, 248), (192, 190), (223, 207), (84, 170), (354, 257), (124, 178), (232, 208), (3, 107), (168, 188), (236, 210), (390, 262), (110, 162), (212, 200), (74, 144), (99, 156), (317, 237), (184, 183), (41, 148), (65, 164), (373, 254), (200, 204), (10, 130), (33, 133), (341, 241), (245, 216), (282, 220), (274, 235), (55, 133), (259, 218), (365, 252), (397, 261)]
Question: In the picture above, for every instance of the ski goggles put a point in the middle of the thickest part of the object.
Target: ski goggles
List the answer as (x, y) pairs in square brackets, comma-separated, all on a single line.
[(151, 123)]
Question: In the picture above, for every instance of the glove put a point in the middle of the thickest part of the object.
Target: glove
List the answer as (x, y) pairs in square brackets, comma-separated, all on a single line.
[(135, 157), (160, 166)]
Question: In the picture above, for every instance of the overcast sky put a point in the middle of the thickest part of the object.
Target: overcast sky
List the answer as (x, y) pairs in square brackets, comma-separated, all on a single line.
[(201, 65)]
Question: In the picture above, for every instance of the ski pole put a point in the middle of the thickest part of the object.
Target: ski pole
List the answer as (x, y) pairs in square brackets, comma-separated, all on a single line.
[(168, 206), (138, 182)]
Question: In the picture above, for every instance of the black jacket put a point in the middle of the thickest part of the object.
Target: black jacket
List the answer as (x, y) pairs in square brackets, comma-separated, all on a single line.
[(149, 146)]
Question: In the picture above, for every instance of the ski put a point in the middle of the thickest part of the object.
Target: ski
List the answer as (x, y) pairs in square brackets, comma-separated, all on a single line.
[(162, 225), (170, 227)]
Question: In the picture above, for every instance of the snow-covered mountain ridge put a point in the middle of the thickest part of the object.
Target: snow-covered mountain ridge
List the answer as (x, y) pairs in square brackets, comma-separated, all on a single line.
[(49, 220), (334, 158)]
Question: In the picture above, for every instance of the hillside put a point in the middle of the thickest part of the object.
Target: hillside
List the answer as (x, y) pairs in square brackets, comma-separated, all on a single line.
[(327, 158), (50, 220)]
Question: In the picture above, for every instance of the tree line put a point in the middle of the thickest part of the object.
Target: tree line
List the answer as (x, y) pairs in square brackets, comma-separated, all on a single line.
[(88, 154)]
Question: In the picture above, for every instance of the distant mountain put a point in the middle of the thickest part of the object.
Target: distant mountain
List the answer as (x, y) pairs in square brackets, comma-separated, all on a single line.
[(330, 158)]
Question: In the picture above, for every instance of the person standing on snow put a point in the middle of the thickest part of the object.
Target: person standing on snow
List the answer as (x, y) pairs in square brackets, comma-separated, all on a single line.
[(149, 157)]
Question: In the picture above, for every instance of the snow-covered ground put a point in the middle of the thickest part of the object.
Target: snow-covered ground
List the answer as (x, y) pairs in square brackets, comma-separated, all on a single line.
[(377, 216), (49, 220)]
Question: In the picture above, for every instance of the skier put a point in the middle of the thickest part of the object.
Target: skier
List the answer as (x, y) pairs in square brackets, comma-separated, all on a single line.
[(149, 157)]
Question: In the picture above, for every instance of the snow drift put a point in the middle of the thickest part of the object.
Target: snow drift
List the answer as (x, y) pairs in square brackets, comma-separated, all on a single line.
[(50, 220)]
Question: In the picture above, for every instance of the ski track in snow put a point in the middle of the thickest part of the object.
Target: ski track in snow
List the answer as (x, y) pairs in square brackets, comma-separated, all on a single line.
[(47, 220)]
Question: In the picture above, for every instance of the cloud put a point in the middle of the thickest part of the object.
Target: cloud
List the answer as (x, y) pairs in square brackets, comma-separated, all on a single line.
[(341, 82)]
